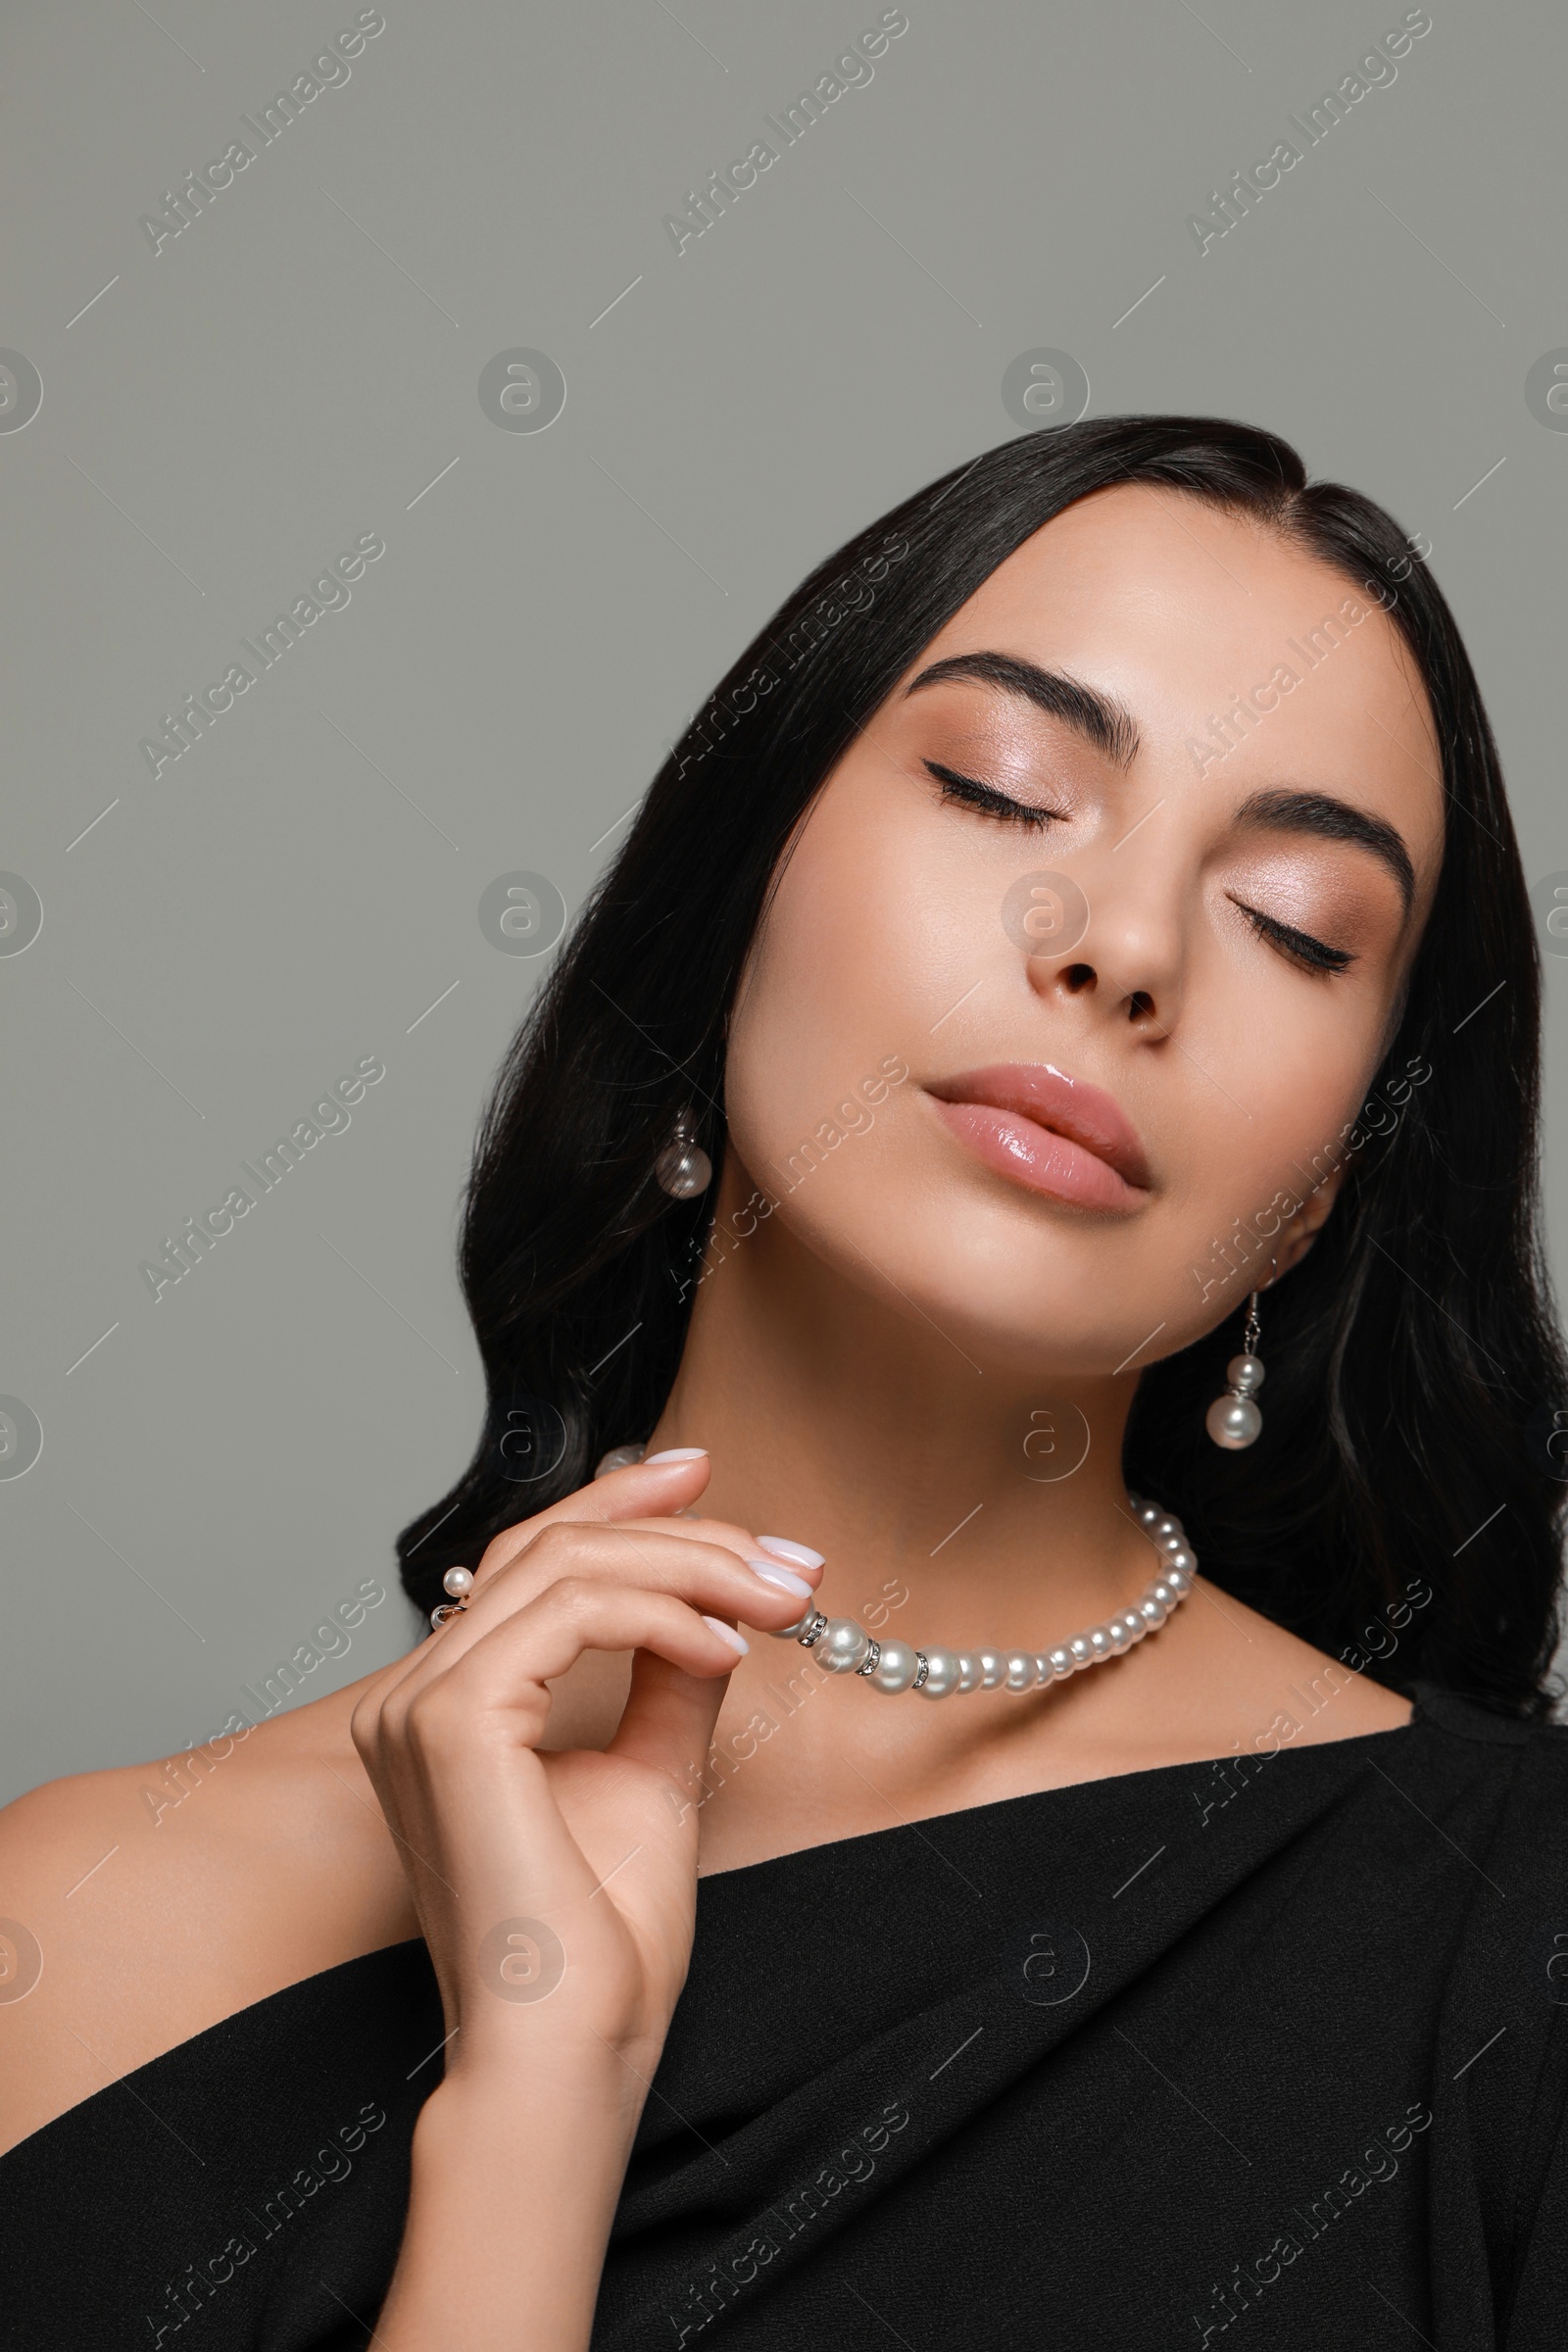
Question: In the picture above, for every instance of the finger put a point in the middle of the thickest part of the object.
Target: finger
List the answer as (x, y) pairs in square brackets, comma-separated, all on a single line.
[(666, 1485), (502, 1678), (647, 1552), (654, 1489), (617, 1543), (770, 1552), (708, 1575), (793, 1568), (668, 1724), (728, 1578)]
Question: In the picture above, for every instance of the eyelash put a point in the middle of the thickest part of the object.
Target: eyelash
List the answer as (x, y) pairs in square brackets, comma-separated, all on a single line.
[(970, 795), (1311, 954)]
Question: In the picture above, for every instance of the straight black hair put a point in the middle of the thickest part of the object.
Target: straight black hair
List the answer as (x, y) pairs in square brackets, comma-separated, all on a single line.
[(1402, 1507)]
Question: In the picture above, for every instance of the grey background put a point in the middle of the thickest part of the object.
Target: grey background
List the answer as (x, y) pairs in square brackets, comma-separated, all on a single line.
[(301, 890)]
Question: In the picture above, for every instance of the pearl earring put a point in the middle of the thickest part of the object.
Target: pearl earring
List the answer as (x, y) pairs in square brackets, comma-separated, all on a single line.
[(683, 1168), (1234, 1420)]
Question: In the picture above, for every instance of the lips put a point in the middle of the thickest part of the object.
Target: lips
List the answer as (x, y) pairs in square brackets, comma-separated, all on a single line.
[(1050, 1133)]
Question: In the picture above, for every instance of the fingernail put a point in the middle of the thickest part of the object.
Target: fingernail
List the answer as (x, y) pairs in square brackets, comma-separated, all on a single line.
[(678, 1453), (801, 1554), (727, 1633), (785, 1578)]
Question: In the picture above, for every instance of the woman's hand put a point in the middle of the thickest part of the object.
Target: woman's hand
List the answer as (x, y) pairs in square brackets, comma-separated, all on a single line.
[(557, 1890)]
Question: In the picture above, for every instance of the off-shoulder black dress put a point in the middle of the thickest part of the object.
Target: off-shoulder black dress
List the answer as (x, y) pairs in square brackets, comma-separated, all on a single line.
[(1269, 2054)]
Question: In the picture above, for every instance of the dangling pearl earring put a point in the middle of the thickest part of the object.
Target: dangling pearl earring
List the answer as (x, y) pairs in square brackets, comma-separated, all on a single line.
[(1234, 1420), (683, 1168)]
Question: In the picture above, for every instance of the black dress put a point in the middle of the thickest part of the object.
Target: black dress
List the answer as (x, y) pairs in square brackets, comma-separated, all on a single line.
[(1277, 2047)]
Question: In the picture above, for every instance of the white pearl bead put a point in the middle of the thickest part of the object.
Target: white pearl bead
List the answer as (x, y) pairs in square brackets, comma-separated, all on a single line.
[(1121, 1640), (844, 1648), (941, 1674), (1233, 1422), (1021, 1671), (1098, 1641), (1244, 1372), (1178, 1579), (896, 1668), (1061, 1663), (1165, 1593), (1080, 1652), (968, 1670), (1182, 1560), (1148, 1512), (683, 1170), (1153, 1612), (456, 1582), (1164, 1526), (992, 1667)]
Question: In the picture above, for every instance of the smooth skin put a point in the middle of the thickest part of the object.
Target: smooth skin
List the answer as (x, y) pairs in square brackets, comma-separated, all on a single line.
[(896, 1367)]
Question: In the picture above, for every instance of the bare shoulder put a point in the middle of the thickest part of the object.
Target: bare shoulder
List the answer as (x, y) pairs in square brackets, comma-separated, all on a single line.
[(147, 1902)]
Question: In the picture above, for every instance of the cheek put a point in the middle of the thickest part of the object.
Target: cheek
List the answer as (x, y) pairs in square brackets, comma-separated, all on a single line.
[(808, 1022), (1281, 1135), (1276, 1063), (852, 966)]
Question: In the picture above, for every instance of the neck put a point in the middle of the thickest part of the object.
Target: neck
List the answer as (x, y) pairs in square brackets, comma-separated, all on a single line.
[(839, 1416)]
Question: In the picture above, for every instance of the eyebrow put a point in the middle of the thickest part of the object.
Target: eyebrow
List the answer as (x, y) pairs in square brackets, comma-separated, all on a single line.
[(1320, 813), (1100, 720)]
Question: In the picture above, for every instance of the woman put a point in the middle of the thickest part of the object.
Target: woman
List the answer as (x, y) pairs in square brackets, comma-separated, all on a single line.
[(1077, 964)]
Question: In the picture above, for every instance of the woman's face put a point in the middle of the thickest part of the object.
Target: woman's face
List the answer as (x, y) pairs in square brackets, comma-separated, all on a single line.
[(1127, 872)]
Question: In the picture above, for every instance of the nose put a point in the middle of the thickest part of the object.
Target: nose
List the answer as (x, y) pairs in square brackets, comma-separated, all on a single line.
[(1126, 958)]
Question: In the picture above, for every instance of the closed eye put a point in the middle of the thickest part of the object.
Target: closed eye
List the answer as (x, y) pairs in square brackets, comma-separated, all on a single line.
[(989, 801), (1312, 954)]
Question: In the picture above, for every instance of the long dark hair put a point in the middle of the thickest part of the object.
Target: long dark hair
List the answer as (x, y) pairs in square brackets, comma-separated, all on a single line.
[(1401, 1506)]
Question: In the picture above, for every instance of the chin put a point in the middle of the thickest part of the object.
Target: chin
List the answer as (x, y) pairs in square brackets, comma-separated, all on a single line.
[(1004, 1286)]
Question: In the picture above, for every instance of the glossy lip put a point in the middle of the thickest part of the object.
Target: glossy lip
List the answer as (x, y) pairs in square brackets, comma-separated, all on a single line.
[(1046, 1131)]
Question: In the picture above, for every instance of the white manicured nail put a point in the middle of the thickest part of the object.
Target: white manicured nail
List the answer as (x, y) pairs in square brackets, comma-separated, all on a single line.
[(799, 1556), (727, 1633), (676, 1453), (785, 1578)]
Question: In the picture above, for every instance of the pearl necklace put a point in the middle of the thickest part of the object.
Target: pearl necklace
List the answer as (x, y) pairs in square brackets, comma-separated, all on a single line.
[(842, 1647)]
